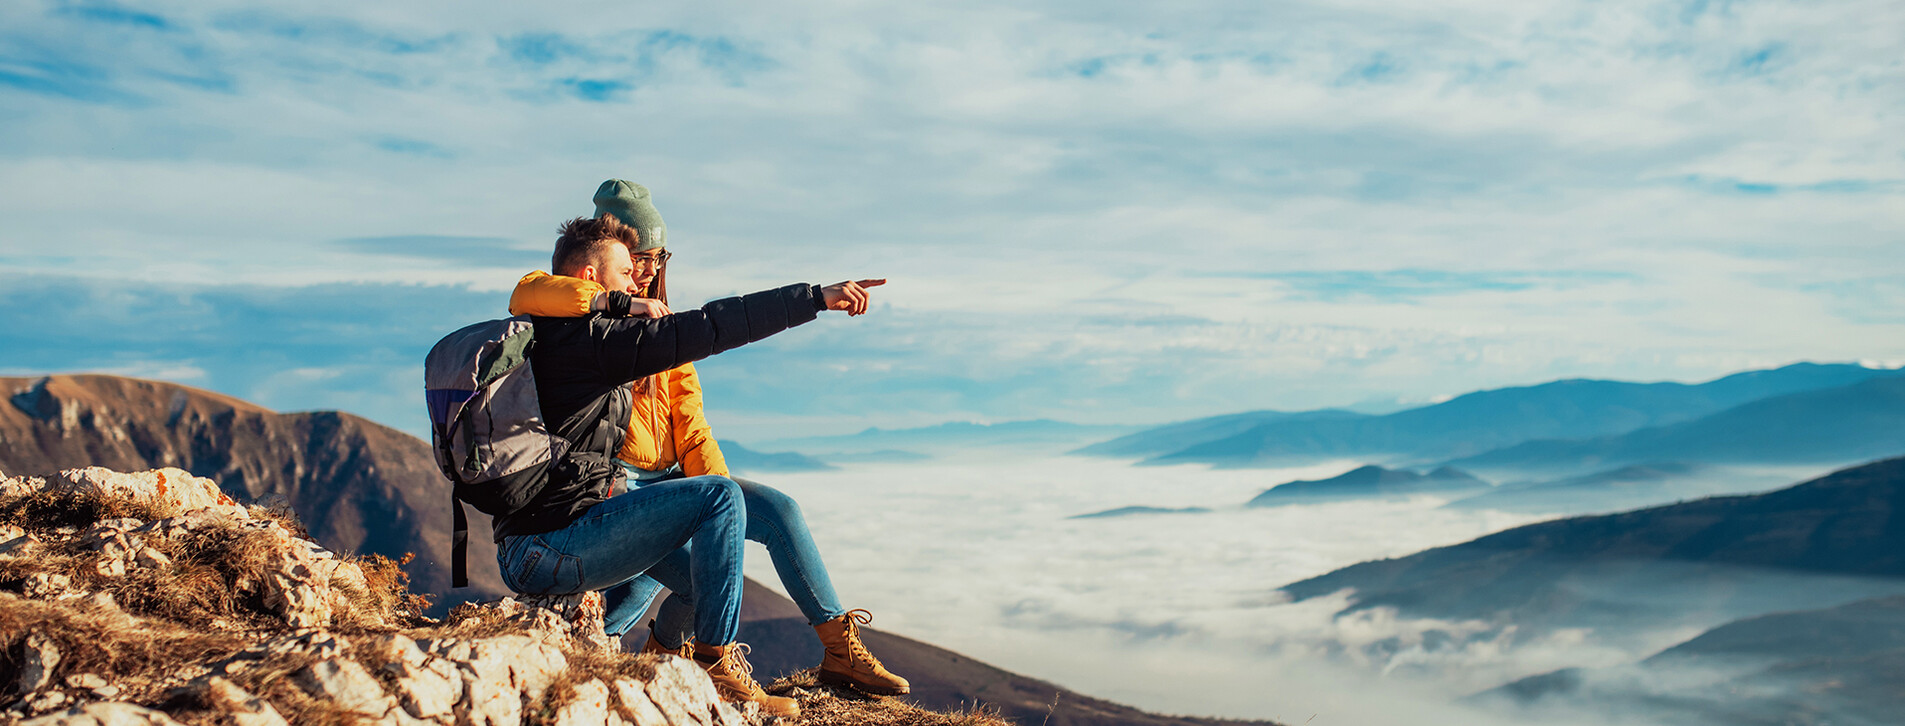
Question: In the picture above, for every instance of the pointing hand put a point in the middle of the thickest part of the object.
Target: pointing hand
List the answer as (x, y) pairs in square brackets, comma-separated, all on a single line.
[(851, 296)]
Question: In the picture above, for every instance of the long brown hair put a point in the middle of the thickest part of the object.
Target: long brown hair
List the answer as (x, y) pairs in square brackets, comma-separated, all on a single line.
[(658, 287), (657, 290)]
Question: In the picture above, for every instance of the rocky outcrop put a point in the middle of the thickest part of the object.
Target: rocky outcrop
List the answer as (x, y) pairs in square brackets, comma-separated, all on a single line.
[(260, 626), (356, 485)]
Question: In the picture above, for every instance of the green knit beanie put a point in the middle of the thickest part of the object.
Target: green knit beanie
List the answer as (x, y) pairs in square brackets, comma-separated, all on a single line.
[(629, 203)]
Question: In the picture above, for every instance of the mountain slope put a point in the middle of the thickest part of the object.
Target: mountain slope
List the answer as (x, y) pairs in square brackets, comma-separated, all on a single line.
[(1714, 553), (783, 643), (1035, 434), (1179, 436), (1486, 420), (746, 461), (1846, 423), (1839, 665), (357, 485), (363, 487), (1369, 481)]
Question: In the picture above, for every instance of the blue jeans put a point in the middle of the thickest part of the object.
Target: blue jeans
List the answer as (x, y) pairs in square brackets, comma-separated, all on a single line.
[(643, 534), (773, 519)]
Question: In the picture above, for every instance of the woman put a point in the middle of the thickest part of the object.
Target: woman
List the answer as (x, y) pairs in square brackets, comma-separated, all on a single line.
[(668, 438)]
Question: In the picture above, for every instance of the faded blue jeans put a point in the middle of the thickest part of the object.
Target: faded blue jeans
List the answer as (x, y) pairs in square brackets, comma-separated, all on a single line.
[(644, 535), (773, 519)]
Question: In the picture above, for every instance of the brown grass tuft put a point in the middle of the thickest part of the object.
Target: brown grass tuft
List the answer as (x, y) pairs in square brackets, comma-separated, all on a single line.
[(284, 516), (388, 597), (472, 620), (129, 651), (823, 705), (44, 511)]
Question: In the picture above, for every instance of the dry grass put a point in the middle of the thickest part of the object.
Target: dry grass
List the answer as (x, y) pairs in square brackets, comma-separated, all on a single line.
[(471, 620), (823, 705), (213, 580), (137, 654), (47, 511), (285, 518), (387, 598)]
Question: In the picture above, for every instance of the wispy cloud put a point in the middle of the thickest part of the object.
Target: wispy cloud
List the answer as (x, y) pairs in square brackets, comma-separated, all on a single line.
[(1118, 212)]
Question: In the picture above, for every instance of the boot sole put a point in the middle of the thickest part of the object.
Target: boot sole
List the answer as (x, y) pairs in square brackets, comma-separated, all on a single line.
[(836, 679)]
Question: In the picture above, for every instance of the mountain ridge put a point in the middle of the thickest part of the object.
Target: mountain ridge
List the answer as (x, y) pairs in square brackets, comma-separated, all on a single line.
[(1842, 524), (1477, 422)]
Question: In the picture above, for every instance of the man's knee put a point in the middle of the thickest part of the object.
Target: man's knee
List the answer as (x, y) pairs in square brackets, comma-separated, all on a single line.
[(765, 500), (722, 493)]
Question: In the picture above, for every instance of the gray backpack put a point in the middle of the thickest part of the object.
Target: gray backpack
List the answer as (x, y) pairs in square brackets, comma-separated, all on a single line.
[(486, 424)]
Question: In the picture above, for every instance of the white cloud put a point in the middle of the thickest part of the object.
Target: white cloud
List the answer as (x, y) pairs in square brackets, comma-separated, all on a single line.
[(1023, 173)]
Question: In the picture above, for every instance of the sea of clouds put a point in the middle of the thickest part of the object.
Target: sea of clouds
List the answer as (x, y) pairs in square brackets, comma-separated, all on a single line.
[(1175, 613)]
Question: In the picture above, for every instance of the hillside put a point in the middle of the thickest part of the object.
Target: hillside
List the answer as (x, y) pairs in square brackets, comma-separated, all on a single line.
[(367, 489), (1035, 435), (1845, 423), (1838, 665), (1179, 436), (1369, 481), (942, 680), (745, 461), (359, 486), (1482, 421), (151, 598), (1816, 544)]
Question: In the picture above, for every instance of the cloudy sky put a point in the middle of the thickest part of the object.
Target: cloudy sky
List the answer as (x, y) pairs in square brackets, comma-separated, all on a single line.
[(1089, 211)]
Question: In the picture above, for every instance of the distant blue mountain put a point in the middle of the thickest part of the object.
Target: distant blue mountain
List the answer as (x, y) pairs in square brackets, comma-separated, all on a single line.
[(744, 460), (1366, 482), (1129, 511), (1848, 423), (1837, 665), (1477, 422), (1036, 433), (1636, 480), (882, 456), (1724, 557), (1178, 436)]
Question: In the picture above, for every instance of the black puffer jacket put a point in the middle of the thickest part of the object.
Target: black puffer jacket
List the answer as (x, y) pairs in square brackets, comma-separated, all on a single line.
[(583, 367)]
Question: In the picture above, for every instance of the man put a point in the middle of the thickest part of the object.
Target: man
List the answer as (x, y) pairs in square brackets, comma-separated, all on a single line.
[(575, 534)]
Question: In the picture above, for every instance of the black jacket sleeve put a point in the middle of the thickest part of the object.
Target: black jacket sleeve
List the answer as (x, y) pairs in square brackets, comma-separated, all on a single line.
[(630, 348)]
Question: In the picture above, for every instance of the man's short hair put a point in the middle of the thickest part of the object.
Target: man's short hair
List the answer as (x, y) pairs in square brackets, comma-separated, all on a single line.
[(583, 240)]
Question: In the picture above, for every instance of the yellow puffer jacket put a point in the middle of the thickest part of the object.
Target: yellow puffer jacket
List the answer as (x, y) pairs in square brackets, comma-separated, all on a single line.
[(666, 424)]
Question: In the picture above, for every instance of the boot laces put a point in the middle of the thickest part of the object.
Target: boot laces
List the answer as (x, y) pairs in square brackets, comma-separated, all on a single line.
[(856, 618), (736, 658)]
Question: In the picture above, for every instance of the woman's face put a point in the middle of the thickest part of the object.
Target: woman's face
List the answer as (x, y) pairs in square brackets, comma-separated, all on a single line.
[(647, 266)]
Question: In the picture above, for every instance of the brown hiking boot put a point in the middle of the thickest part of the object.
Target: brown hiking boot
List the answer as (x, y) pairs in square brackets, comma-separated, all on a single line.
[(734, 679), (687, 649), (848, 663)]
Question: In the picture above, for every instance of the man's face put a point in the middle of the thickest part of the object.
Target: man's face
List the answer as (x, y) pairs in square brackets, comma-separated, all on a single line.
[(616, 270)]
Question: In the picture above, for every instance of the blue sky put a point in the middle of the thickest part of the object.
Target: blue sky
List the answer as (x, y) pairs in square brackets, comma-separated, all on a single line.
[(1089, 211)]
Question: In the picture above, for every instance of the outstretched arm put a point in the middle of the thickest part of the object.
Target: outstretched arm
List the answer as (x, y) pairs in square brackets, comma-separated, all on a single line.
[(634, 347)]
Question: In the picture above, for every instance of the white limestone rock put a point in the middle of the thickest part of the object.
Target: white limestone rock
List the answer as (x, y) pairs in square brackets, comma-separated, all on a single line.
[(174, 487), (39, 657), (347, 685), (683, 693), (104, 714), (239, 705), (589, 706), (635, 704), (22, 545)]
